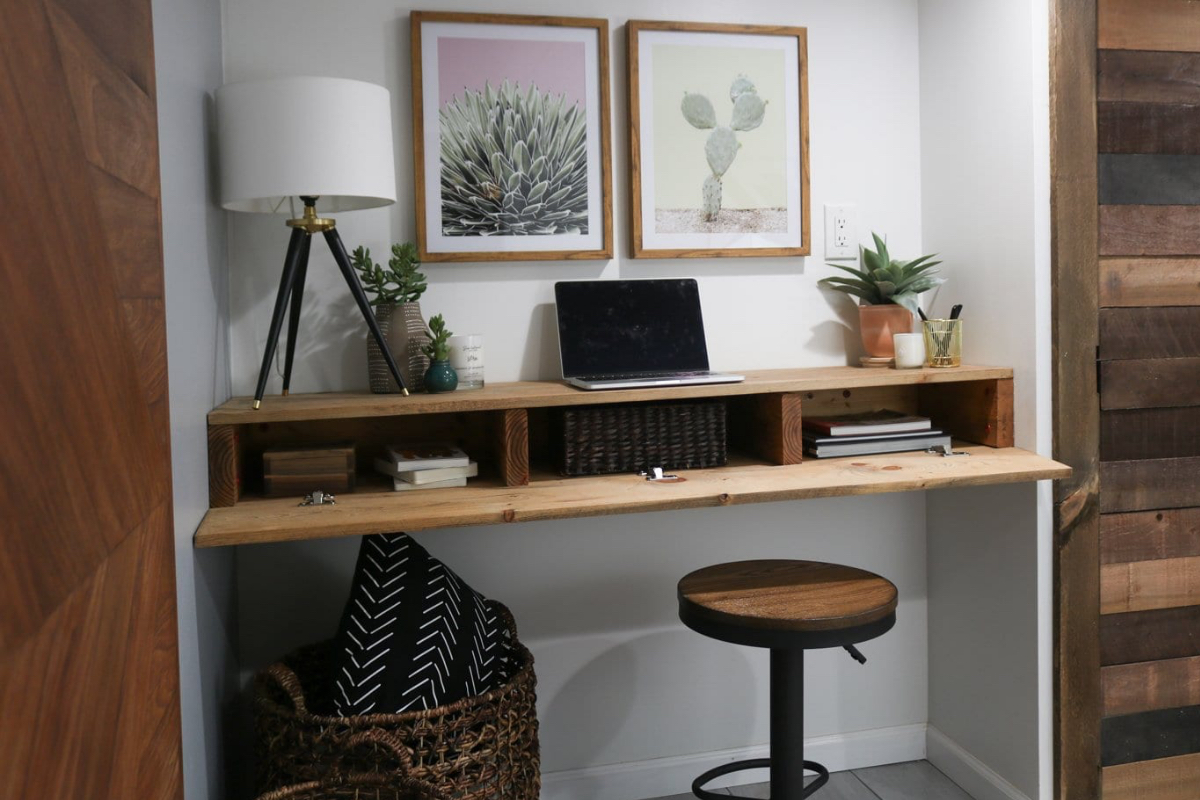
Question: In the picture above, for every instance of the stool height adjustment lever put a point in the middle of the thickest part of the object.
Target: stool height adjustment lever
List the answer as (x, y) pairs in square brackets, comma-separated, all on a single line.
[(855, 654)]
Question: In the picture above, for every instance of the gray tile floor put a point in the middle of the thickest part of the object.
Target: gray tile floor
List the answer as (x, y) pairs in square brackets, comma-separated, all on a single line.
[(914, 780)]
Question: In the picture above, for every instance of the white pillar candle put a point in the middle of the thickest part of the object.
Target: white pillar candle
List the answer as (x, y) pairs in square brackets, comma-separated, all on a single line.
[(910, 350), (466, 356)]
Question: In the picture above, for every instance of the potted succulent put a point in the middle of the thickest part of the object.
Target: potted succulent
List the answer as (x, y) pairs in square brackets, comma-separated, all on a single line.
[(887, 290), (397, 288), (441, 377)]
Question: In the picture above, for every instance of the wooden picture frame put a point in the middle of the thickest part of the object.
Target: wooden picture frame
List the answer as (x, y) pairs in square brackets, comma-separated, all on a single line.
[(687, 230), (474, 49)]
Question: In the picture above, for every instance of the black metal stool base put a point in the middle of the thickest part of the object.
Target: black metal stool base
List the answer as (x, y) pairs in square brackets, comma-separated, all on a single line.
[(753, 763)]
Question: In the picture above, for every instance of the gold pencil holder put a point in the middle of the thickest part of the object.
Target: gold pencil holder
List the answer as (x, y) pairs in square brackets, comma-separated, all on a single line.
[(943, 342)]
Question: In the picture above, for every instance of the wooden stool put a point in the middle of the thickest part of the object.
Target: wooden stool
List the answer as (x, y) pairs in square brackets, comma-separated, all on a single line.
[(788, 607)]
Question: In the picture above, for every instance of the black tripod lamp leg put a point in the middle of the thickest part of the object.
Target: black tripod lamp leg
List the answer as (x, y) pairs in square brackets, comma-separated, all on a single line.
[(285, 287), (294, 313), (356, 289)]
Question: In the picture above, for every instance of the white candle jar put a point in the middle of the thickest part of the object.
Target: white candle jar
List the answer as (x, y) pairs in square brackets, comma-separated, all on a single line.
[(910, 350), (466, 356)]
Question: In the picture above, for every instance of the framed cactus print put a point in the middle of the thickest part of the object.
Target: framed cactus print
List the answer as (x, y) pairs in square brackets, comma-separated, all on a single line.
[(511, 141), (718, 140)]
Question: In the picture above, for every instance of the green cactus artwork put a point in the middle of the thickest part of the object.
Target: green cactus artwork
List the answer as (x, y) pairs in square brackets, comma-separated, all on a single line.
[(722, 145), (514, 163)]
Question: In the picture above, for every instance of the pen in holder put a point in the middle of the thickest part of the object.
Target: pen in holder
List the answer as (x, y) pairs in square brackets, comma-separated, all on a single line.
[(943, 342)]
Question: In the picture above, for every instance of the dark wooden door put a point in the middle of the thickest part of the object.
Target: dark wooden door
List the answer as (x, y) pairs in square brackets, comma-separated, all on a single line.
[(1148, 126), (89, 692)]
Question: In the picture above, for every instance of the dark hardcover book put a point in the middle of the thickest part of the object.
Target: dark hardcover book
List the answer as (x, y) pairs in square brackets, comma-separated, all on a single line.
[(868, 422), (817, 439), (866, 448)]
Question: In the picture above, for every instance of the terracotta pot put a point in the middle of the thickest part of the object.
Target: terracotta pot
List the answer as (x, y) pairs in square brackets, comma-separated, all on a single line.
[(879, 324), (404, 330)]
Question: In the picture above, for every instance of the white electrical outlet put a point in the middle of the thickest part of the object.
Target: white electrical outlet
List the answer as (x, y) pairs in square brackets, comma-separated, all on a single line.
[(841, 232)]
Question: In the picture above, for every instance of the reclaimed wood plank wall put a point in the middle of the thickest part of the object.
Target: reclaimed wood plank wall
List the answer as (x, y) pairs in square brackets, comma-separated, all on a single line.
[(1148, 118)]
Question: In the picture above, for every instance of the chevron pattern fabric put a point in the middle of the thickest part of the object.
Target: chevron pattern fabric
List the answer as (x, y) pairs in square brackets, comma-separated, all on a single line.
[(413, 635)]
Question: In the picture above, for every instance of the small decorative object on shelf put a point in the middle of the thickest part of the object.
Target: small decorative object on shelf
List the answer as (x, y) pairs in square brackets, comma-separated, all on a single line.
[(943, 342), (397, 289), (466, 356), (440, 376), (910, 350), (887, 289), (297, 471)]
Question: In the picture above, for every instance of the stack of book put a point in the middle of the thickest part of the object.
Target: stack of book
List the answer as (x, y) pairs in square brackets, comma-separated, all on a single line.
[(871, 432), (426, 466)]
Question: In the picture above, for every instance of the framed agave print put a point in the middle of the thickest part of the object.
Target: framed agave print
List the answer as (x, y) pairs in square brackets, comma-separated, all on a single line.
[(718, 139), (511, 137)]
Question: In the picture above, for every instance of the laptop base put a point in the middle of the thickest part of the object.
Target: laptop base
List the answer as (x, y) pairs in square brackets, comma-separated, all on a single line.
[(597, 384)]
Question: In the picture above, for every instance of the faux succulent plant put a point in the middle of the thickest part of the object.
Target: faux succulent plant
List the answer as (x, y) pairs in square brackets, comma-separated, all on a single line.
[(514, 162), (722, 145), (438, 348), (884, 280), (400, 282)]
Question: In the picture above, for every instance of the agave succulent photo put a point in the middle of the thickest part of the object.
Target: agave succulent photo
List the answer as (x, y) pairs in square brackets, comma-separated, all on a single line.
[(514, 163)]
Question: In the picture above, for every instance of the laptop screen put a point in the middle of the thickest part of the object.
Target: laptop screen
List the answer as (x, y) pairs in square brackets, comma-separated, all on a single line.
[(614, 327)]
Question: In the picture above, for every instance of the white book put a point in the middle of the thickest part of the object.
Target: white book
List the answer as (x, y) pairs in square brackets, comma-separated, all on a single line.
[(428, 455), (404, 486), (421, 476)]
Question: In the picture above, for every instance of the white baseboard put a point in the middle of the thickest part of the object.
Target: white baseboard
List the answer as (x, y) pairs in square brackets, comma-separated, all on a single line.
[(976, 778), (667, 776)]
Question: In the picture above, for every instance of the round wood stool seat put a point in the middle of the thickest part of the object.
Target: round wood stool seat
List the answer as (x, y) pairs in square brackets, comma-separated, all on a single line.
[(783, 603), (789, 607)]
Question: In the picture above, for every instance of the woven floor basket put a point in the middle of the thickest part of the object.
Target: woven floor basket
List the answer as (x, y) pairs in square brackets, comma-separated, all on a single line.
[(479, 748), (396, 785), (359, 787), (598, 440)]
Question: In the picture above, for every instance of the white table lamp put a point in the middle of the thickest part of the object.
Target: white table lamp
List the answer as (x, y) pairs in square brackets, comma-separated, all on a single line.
[(327, 141)]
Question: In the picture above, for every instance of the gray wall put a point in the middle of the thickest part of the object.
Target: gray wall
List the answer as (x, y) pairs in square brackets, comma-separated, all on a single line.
[(187, 40), (985, 209)]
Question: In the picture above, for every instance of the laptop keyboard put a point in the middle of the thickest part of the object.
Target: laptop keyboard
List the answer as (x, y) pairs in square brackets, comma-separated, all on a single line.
[(642, 376)]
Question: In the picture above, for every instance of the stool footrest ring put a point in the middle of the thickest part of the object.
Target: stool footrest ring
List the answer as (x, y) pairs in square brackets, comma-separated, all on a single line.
[(753, 763)]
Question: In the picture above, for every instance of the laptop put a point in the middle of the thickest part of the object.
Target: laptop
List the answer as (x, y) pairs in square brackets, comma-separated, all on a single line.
[(633, 334)]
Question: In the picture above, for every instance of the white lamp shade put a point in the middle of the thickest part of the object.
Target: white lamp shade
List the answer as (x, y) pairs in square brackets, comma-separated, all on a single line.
[(288, 137)]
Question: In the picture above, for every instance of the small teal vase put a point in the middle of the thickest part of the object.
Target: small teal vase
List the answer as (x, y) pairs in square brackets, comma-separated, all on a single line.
[(441, 377)]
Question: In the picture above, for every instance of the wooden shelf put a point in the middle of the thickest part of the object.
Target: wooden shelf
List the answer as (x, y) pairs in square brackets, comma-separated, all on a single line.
[(259, 521), (509, 429), (550, 394)]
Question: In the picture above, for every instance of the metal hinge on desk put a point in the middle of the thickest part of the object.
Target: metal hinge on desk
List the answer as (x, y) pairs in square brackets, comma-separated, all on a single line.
[(656, 475), (946, 452), (319, 498)]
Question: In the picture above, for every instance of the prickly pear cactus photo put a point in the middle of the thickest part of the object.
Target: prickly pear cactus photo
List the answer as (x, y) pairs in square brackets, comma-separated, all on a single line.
[(729, 125), (719, 123), (722, 145), (514, 163)]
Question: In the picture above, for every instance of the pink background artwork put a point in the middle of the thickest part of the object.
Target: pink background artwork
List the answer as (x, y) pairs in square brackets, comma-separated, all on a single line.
[(556, 67)]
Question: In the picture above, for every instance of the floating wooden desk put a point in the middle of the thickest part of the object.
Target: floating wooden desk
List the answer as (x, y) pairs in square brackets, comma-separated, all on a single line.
[(507, 425)]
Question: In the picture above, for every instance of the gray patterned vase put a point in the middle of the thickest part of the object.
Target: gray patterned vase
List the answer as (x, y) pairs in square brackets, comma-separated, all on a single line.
[(404, 330)]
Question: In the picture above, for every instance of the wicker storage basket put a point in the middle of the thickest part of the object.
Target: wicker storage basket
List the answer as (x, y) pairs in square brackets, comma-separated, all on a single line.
[(598, 440), (395, 785), (479, 748)]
